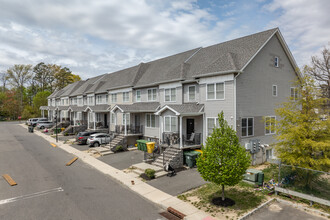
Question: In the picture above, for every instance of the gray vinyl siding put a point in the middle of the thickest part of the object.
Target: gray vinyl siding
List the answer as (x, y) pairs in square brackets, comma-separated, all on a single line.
[(214, 107), (150, 132), (178, 99), (254, 88), (144, 94)]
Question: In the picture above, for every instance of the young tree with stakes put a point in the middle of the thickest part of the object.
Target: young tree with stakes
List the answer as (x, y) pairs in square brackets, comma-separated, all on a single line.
[(224, 160)]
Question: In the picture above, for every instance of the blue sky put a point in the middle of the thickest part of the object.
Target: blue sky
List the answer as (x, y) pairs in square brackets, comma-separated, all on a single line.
[(100, 36)]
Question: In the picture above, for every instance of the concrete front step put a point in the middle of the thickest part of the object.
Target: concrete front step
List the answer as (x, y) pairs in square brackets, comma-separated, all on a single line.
[(107, 153)]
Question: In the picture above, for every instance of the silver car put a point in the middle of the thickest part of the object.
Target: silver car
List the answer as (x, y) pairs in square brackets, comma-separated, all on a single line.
[(97, 139), (45, 124)]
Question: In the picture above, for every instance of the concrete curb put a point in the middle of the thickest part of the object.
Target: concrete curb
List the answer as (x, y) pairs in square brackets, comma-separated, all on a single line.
[(150, 193), (256, 209)]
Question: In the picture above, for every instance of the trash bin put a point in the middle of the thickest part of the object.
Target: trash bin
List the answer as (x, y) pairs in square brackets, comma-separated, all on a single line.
[(56, 131), (150, 147), (30, 129), (142, 145), (190, 158)]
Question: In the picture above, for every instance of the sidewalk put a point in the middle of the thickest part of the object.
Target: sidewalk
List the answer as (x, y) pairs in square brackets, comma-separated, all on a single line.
[(156, 196)]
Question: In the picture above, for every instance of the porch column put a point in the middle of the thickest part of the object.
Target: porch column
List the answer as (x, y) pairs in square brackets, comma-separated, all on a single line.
[(94, 120), (43, 113), (74, 119), (160, 129), (70, 118), (60, 113), (88, 113), (125, 123), (180, 132)]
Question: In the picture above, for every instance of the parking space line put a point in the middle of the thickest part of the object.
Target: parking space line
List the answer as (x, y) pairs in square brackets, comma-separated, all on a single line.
[(29, 196), (9, 180)]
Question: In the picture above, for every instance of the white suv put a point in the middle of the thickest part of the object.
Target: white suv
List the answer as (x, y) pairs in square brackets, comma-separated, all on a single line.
[(97, 139)]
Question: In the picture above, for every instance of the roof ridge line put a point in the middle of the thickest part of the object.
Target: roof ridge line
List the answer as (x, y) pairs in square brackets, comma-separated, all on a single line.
[(193, 54)]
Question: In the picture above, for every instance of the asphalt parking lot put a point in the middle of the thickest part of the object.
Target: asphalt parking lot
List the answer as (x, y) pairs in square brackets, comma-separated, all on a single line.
[(279, 210)]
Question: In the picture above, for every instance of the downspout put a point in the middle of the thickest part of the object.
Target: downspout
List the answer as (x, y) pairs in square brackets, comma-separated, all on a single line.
[(235, 99)]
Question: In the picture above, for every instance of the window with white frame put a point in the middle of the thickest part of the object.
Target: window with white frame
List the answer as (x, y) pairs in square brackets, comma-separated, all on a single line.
[(126, 117), (114, 98), (276, 62), (170, 95), (191, 93), (211, 123), (98, 117), (85, 100), (62, 101), (99, 99), (152, 94), (138, 95), (125, 96), (274, 90), (91, 116), (113, 118), (90, 100), (79, 116), (247, 127), (216, 91), (106, 99), (151, 120), (270, 124), (294, 93), (49, 102), (170, 124), (80, 101)]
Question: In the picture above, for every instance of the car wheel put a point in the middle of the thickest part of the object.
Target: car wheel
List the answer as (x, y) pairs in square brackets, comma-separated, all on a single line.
[(42, 127), (96, 144)]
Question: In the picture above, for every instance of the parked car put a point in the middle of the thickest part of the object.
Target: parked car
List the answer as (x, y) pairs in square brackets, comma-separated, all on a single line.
[(35, 121), (45, 124), (81, 137), (30, 120), (97, 139)]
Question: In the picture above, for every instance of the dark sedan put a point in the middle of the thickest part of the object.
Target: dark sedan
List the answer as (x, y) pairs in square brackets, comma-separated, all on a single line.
[(81, 137)]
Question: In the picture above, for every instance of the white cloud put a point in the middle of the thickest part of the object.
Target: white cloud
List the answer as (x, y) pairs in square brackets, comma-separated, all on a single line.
[(305, 25)]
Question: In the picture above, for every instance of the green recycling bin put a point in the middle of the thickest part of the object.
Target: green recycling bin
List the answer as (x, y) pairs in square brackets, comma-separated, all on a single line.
[(190, 158), (57, 131), (142, 145)]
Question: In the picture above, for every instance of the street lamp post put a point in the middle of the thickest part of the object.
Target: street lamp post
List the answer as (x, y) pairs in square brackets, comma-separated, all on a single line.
[(56, 131)]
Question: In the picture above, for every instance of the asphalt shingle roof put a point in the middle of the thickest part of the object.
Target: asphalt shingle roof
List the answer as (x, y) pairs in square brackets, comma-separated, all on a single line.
[(140, 107), (187, 108), (232, 55)]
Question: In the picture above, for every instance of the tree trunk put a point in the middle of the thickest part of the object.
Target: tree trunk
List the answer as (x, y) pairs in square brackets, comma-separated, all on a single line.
[(223, 192)]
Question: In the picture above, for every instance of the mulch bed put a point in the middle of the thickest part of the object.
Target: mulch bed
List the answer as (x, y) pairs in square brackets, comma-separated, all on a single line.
[(144, 176), (224, 203)]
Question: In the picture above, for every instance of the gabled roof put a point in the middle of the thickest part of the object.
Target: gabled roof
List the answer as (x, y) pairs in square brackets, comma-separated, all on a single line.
[(75, 108), (162, 70), (97, 108), (137, 107), (231, 55), (70, 88), (183, 109), (85, 86)]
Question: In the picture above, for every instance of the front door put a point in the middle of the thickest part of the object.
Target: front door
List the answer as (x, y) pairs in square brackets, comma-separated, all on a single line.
[(190, 126), (137, 123), (105, 120)]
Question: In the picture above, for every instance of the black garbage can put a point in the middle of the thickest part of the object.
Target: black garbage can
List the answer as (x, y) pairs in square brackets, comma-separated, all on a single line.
[(30, 129)]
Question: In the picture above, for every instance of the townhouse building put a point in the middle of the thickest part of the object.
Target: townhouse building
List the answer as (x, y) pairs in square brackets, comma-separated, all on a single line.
[(176, 99)]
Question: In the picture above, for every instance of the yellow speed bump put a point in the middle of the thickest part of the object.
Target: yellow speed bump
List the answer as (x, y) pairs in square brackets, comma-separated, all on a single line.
[(9, 180), (72, 161), (54, 145)]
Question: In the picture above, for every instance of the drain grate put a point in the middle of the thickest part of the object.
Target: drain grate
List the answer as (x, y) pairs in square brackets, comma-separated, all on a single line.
[(169, 216)]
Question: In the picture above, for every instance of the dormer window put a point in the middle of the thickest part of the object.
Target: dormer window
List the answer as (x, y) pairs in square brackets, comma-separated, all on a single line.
[(276, 62)]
